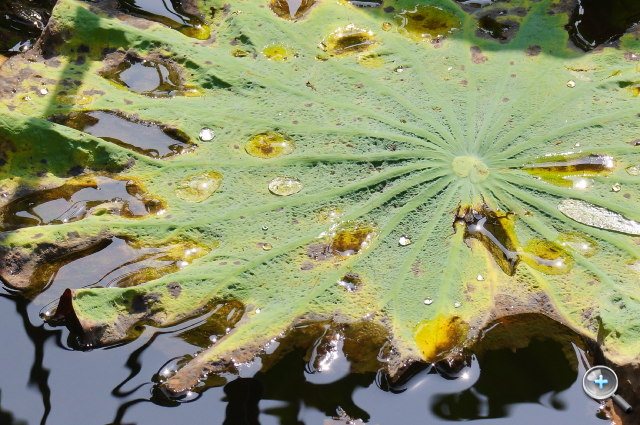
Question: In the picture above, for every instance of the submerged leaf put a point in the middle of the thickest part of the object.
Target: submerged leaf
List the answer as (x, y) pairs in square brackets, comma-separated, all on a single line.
[(418, 168)]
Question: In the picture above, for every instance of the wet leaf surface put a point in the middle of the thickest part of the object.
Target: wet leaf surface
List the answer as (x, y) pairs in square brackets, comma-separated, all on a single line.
[(438, 156)]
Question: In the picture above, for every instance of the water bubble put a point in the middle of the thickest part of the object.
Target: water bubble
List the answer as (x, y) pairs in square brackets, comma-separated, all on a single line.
[(404, 241), (285, 186), (386, 26), (213, 339), (571, 84), (457, 304), (181, 264), (399, 69), (616, 187), (450, 68), (265, 228), (44, 91), (480, 277), (428, 301), (26, 98), (206, 134), (198, 187), (258, 311)]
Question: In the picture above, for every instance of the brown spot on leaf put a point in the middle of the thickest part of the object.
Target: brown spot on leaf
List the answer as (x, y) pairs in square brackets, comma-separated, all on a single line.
[(174, 289), (533, 50), (477, 56)]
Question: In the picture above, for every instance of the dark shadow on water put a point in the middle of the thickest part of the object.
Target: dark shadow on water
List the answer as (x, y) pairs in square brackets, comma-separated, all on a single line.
[(243, 396), (509, 377)]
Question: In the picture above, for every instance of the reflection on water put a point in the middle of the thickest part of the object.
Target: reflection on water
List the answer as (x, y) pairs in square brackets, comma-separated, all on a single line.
[(43, 382)]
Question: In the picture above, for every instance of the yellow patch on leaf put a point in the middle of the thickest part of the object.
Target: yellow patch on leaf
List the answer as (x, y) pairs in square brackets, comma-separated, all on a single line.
[(435, 338)]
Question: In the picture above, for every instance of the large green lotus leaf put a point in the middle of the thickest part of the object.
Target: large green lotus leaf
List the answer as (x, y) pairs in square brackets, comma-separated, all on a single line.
[(407, 173)]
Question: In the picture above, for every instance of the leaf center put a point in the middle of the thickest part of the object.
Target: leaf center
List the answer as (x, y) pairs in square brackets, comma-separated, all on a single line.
[(470, 167)]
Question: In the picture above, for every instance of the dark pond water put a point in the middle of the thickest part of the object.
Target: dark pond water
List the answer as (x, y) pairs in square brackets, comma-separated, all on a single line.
[(45, 381)]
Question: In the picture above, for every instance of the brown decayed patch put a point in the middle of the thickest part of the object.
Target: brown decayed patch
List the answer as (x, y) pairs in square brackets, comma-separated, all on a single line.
[(477, 56), (533, 50)]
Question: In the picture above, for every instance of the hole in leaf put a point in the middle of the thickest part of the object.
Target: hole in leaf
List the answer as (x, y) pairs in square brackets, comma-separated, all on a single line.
[(152, 76), (148, 138), (76, 199), (291, 10), (173, 14)]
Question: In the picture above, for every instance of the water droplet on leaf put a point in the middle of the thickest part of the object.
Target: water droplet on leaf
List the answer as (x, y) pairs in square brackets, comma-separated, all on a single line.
[(348, 40), (581, 244), (206, 134), (404, 241), (198, 187), (285, 186), (269, 145), (428, 301), (425, 22), (278, 52)]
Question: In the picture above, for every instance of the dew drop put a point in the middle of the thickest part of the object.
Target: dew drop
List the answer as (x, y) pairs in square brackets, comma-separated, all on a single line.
[(616, 187), (213, 339), (198, 187), (399, 69), (457, 304), (480, 277), (633, 170), (571, 84), (285, 186), (182, 264), (386, 26), (269, 145), (26, 98), (44, 91), (258, 311), (266, 246), (265, 228), (428, 301), (206, 134), (404, 241)]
